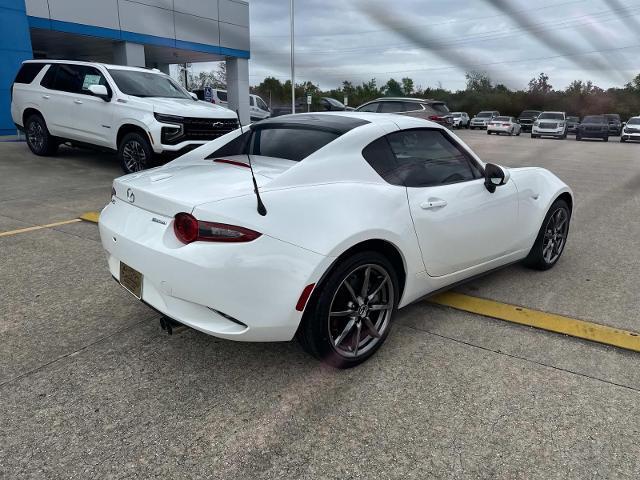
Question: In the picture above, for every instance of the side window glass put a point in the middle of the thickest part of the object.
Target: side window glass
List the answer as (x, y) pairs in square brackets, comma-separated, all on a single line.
[(378, 154), (428, 158), (68, 79), (391, 107), (410, 107), (49, 76), (251, 102), (91, 76), (372, 107)]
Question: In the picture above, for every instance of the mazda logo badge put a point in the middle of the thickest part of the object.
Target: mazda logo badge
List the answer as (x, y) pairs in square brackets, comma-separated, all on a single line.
[(130, 196)]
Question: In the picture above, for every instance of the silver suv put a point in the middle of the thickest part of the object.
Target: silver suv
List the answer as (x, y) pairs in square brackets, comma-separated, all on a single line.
[(482, 119), (433, 110)]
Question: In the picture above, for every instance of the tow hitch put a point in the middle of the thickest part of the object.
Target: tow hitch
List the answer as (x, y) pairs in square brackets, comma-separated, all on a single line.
[(170, 325)]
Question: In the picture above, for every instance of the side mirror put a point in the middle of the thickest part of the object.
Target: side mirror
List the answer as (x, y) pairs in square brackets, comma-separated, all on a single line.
[(194, 96), (100, 91), (495, 176)]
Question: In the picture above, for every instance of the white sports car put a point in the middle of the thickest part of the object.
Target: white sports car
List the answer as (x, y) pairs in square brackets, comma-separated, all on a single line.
[(354, 216)]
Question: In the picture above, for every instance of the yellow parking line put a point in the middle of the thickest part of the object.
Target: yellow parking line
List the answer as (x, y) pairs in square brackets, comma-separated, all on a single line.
[(546, 321), (90, 217), (38, 227)]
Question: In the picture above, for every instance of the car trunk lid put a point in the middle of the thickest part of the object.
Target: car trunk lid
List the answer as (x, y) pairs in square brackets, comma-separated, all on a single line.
[(181, 187)]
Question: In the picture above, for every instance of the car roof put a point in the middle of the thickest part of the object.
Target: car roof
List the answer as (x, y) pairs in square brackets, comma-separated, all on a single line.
[(406, 99), (345, 121), (93, 64), (549, 111)]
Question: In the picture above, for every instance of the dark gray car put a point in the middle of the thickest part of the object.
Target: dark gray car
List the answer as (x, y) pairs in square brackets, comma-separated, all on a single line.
[(433, 110)]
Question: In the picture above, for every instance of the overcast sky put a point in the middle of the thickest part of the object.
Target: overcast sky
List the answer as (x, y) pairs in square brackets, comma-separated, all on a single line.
[(435, 41)]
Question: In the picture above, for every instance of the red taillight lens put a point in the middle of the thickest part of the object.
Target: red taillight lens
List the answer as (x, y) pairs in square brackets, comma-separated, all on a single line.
[(188, 230), (436, 118), (186, 227)]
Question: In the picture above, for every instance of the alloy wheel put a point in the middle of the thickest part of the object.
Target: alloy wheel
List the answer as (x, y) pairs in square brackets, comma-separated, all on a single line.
[(361, 310), (134, 156), (35, 136), (555, 235)]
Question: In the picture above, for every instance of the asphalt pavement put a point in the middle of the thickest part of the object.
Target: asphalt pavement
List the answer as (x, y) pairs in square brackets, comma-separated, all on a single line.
[(92, 388)]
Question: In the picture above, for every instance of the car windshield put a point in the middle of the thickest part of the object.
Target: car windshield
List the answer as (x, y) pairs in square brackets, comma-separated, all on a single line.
[(551, 116), (573, 119), (593, 119), (613, 116), (634, 121), (147, 84), (456, 115), (503, 119), (334, 102), (485, 115)]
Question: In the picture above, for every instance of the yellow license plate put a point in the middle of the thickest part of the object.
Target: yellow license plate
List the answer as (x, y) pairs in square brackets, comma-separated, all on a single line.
[(131, 280)]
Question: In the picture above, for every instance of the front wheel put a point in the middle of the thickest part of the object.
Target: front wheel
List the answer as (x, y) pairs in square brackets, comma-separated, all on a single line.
[(134, 153), (488, 132), (606, 139), (622, 140), (552, 237), (349, 315)]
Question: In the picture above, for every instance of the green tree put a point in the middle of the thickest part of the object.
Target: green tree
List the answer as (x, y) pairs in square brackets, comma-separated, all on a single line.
[(478, 82), (407, 86), (540, 85)]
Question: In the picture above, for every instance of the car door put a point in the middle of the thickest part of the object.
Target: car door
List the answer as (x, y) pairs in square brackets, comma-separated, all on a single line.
[(56, 103), (92, 116), (458, 222)]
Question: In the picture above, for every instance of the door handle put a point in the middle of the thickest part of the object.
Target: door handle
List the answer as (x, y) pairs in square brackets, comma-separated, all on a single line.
[(433, 204), (46, 97), (77, 102)]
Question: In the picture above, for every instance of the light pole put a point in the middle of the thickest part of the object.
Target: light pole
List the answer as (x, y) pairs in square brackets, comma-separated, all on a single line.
[(293, 67)]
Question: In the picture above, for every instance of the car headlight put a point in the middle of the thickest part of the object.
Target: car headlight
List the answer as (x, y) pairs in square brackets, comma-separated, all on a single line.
[(561, 125), (164, 118)]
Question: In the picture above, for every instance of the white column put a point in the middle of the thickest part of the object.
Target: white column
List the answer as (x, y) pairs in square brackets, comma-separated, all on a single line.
[(238, 87), (130, 54)]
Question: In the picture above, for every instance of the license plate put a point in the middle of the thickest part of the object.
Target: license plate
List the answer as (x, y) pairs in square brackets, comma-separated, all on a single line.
[(131, 279)]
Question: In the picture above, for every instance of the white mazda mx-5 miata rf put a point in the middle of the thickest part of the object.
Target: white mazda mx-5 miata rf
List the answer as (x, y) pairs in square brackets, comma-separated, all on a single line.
[(354, 216)]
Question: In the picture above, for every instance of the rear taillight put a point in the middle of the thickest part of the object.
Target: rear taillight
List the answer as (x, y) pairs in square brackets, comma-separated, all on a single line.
[(188, 229), (436, 118)]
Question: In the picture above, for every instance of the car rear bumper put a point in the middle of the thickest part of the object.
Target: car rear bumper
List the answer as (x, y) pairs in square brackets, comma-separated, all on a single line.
[(586, 134), (242, 291), (492, 128)]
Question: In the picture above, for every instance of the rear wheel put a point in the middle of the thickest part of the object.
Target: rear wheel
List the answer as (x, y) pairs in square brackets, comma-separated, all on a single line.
[(578, 138), (134, 152), (349, 316), (39, 140), (488, 132), (606, 139), (552, 237)]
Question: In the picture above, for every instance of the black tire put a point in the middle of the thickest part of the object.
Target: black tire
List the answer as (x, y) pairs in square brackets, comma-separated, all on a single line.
[(39, 140), (317, 329), (533, 135), (134, 152), (537, 259), (488, 132), (468, 125), (622, 140), (578, 138), (606, 139)]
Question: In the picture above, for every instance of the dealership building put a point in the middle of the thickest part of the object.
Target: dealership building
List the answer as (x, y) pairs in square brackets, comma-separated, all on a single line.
[(147, 33)]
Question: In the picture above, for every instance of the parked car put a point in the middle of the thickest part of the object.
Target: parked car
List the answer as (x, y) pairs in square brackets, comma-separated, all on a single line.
[(593, 126), (572, 124), (526, 119), (433, 110), (631, 130), (615, 124), (351, 219), (258, 109), (550, 124), (508, 125), (460, 119), (329, 104), (137, 112), (482, 119)]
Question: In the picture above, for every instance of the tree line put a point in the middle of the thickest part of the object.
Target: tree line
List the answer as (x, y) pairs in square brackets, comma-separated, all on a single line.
[(481, 93)]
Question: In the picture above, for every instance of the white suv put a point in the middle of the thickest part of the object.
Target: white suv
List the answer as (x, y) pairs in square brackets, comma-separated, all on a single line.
[(137, 112), (550, 124)]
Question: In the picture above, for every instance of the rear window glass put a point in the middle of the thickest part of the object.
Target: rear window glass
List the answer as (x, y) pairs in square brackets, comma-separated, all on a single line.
[(280, 143), (593, 119), (485, 115), (503, 119), (28, 72), (440, 107)]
